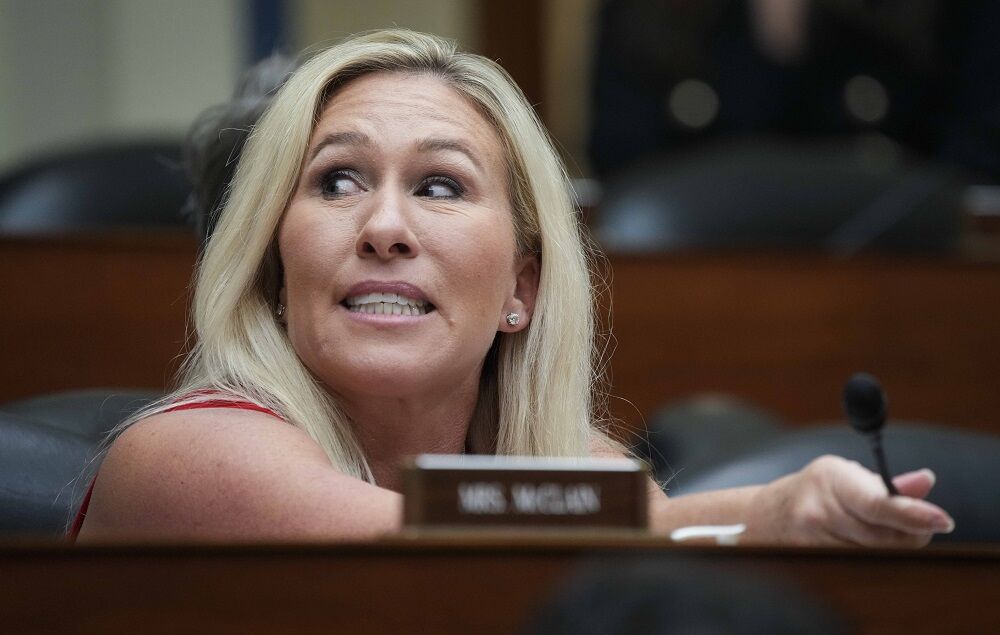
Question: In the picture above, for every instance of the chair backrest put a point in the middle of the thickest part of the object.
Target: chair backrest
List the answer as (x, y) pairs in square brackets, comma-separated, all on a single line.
[(767, 194), (90, 413), (702, 431), (118, 186), (967, 465), (48, 455), (42, 475)]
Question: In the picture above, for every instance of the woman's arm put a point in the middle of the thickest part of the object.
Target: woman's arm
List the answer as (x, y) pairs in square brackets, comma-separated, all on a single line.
[(832, 501), (225, 474)]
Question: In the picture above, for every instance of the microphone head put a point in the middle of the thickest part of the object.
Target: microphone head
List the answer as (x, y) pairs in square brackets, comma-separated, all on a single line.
[(864, 403)]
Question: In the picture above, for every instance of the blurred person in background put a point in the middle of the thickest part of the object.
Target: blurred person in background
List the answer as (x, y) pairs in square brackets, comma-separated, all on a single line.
[(672, 74)]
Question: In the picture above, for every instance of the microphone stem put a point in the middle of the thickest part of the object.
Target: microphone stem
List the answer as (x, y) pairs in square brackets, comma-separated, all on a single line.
[(883, 468)]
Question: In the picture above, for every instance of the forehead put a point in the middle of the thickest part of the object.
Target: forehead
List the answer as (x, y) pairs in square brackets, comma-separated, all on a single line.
[(408, 105)]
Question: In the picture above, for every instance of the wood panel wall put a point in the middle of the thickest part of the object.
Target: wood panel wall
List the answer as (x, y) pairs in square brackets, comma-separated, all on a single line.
[(89, 312), (783, 331), (511, 34), (786, 331)]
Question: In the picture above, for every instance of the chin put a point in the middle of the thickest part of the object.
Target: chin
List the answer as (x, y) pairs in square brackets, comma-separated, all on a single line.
[(385, 379), (418, 368), (390, 380)]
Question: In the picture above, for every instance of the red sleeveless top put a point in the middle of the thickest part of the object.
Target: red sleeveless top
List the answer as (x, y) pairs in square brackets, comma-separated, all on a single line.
[(239, 404)]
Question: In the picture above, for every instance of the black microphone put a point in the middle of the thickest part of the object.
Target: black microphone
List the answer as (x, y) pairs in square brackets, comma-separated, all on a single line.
[(864, 404)]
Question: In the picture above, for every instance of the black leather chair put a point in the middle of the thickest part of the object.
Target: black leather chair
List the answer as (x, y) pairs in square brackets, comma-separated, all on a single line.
[(704, 431), (48, 452), (967, 463), (130, 185), (761, 193), (42, 472), (88, 413)]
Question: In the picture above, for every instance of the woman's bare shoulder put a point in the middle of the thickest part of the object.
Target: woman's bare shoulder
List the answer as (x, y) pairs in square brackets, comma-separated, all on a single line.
[(225, 473), (222, 432)]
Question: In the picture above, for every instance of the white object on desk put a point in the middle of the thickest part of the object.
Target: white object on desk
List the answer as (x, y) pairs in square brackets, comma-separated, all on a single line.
[(723, 534)]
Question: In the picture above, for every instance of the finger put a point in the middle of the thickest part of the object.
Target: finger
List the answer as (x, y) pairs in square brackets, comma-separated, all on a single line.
[(916, 484), (858, 532), (863, 494), (913, 515), (905, 514)]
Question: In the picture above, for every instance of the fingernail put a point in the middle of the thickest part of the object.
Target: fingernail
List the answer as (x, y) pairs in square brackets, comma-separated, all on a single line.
[(931, 475), (944, 525)]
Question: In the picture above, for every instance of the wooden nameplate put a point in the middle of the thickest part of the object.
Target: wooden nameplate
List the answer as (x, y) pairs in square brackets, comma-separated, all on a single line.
[(478, 491)]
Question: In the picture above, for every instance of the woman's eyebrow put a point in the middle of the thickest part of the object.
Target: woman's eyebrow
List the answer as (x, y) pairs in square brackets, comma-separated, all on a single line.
[(347, 138), (435, 144)]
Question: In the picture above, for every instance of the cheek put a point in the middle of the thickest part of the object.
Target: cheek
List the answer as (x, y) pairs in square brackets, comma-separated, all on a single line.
[(479, 264), (310, 249)]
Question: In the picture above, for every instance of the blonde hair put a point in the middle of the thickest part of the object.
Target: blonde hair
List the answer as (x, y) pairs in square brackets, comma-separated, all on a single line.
[(536, 393)]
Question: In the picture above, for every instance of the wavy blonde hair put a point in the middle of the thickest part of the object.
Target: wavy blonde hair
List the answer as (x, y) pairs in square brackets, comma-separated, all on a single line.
[(536, 391)]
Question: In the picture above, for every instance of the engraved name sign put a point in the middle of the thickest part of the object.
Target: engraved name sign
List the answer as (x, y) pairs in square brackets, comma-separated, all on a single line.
[(494, 491)]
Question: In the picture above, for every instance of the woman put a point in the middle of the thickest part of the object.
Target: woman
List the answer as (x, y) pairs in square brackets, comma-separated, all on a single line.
[(398, 270)]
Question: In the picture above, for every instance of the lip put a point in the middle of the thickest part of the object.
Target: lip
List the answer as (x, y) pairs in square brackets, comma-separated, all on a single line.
[(392, 286)]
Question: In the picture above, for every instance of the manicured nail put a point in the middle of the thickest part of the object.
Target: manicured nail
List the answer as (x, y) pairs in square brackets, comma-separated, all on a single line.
[(944, 525), (931, 475)]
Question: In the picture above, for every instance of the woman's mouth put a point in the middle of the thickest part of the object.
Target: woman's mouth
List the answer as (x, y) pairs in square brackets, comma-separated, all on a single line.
[(387, 304)]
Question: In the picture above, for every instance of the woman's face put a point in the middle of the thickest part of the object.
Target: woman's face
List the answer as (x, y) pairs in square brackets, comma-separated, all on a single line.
[(398, 244)]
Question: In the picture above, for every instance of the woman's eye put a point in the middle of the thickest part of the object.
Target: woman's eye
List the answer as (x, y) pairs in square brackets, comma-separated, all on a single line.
[(341, 183), (440, 187)]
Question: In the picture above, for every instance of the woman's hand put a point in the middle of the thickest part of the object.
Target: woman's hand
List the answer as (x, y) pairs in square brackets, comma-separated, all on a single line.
[(833, 501)]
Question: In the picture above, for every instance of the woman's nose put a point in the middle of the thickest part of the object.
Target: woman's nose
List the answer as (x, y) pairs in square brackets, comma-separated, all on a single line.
[(387, 232)]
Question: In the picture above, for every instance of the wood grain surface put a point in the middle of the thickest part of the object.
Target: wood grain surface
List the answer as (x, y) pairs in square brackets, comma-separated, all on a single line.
[(785, 331), (474, 584), (780, 330)]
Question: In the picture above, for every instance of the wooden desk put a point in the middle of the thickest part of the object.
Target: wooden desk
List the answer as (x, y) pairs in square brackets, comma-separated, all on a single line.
[(482, 585)]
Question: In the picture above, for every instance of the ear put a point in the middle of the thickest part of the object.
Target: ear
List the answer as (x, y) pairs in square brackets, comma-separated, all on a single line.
[(283, 301), (279, 274), (274, 277), (522, 300)]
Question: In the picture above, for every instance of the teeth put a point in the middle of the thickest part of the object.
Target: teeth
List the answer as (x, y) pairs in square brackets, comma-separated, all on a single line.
[(386, 298), (387, 308)]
